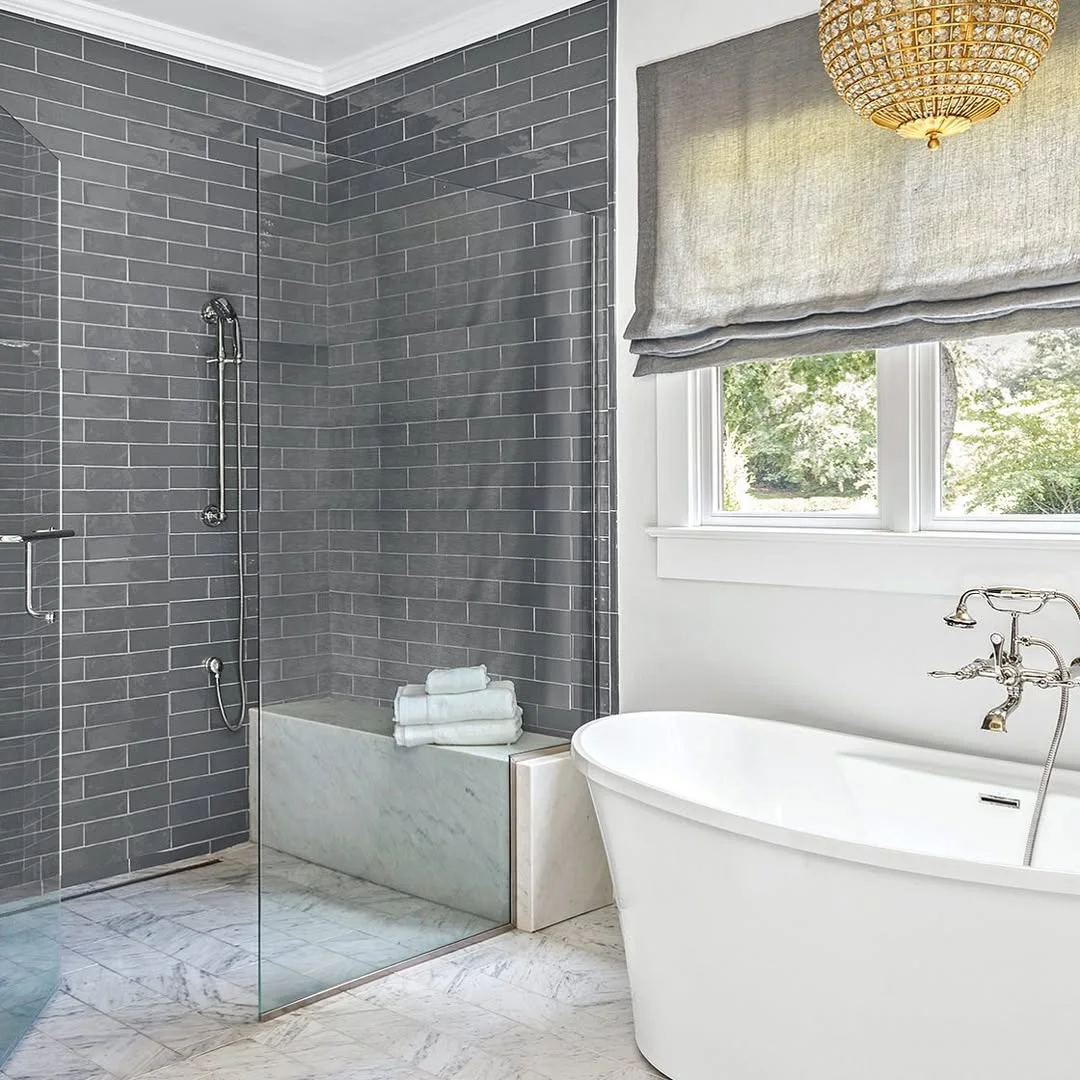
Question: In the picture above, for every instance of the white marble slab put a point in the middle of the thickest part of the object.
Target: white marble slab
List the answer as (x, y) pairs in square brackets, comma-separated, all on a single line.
[(431, 821), (562, 870)]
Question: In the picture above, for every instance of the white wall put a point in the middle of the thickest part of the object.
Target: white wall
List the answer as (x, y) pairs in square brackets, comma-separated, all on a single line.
[(855, 661)]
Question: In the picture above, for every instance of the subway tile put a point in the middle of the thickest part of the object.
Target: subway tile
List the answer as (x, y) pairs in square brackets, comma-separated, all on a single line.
[(79, 72), (125, 58), (89, 121), (125, 153), (496, 50), (30, 84), (577, 23), (434, 73), (41, 35)]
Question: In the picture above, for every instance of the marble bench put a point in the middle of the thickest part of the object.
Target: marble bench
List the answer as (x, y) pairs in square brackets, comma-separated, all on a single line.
[(330, 786)]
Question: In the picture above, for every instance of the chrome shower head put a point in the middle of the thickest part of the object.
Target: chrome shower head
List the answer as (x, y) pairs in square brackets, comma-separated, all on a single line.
[(961, 617), (219, 309), (219, 312)]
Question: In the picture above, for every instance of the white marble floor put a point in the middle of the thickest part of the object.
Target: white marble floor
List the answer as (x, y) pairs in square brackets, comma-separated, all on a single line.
[(549, 1006), (161, 971), (158, 983), (552, 1006)]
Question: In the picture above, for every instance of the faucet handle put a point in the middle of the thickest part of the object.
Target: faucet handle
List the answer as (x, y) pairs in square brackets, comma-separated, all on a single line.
[(969, 671), (997, 643)]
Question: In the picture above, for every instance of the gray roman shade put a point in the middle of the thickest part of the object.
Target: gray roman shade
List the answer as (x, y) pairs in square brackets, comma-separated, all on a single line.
[(775, 222)]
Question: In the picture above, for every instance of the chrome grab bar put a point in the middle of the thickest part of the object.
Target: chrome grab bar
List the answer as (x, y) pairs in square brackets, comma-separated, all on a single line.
[(28, 540)]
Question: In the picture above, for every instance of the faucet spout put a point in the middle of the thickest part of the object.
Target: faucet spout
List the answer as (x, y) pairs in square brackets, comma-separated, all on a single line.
[(995, 719)]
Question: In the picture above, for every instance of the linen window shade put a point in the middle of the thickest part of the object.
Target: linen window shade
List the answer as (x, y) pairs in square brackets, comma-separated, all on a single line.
[(777, 223)]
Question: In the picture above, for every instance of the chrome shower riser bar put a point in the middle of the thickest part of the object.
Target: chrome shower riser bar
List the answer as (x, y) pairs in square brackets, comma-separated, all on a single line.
[(218, 312), (215, 514)]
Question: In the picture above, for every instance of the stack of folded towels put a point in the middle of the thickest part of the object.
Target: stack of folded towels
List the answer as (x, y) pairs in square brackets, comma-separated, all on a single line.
[(457, 707)]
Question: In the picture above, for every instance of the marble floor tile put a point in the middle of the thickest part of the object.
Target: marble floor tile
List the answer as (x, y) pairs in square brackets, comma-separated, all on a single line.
[(107, 991), (160, 980), (183, 1070), (370, 953), (443, 1012), (280, 985), (96, 908), (333, 968), (103, 1039), (181, 1029), (151, 929), (199, 990), (40, 1058)]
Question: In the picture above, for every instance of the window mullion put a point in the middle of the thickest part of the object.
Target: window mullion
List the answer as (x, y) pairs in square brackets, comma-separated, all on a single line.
[(705, 438), (898, 438), (712, 420), (929, 474)]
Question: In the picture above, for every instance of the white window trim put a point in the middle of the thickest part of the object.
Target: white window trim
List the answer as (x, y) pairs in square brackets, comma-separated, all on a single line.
[(941, 560), (897, 374)]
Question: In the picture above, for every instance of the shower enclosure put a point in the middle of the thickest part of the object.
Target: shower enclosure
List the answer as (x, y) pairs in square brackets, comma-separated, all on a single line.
[(29, 580), (405, 472), (429, 433)]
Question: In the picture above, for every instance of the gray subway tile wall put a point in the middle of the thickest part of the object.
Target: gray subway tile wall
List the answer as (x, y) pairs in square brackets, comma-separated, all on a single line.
[(472, 371), (158, 159), (525, 113), (296, 436), (160, 210), (467, 399), (29, 500)]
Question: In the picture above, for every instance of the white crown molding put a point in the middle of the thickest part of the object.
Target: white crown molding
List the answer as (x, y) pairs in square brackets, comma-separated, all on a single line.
[(466, 28), (472, 25)]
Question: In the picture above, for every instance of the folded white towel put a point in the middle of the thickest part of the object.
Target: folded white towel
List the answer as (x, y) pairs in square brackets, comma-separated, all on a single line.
[(469, 733), (459, 680), (413, 706)]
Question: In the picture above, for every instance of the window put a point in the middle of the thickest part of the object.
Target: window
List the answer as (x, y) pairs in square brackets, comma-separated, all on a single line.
[(979, 435)]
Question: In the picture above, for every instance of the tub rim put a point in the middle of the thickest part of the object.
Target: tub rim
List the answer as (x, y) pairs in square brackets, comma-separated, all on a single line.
[(898, 859)]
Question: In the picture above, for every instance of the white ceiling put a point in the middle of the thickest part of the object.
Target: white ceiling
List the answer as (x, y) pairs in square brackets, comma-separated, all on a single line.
[(316, 45)]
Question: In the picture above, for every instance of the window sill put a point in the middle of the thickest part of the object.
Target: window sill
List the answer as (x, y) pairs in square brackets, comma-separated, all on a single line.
[(927, 563)]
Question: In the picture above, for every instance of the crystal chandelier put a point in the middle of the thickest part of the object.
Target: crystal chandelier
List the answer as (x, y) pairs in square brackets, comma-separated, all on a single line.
[(927, 69)]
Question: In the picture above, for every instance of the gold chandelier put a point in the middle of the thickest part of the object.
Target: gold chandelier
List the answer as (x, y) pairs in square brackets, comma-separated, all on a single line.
[(928, 68)]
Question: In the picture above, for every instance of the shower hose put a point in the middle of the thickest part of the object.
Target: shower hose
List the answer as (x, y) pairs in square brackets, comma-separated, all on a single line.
[(1051, 756)]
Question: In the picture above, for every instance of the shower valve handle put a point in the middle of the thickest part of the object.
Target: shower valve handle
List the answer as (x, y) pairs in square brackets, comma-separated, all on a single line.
[(997, 643)]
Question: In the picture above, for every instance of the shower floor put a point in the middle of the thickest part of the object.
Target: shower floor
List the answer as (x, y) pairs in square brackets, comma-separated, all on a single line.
[(166, 969)]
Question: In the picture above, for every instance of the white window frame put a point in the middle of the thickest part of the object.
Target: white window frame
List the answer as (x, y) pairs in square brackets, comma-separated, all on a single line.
[(912, 547), (897, 463)]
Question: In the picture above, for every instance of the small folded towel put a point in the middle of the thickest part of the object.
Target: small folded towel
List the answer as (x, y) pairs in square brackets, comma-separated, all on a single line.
[(468, 733), (459, 680), (413, 706)]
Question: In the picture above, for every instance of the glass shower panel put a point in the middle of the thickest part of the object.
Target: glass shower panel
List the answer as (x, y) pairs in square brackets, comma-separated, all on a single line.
[(427, 448), (29, 628)]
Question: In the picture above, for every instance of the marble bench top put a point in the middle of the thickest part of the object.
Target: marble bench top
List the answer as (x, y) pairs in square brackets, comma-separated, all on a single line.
[(361, 714)]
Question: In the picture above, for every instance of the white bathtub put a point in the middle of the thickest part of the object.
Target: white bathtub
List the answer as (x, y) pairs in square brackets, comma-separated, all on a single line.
[(804, 905)]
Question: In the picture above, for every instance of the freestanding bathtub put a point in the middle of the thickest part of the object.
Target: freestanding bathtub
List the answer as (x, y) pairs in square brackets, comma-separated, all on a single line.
[(799, 904)]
